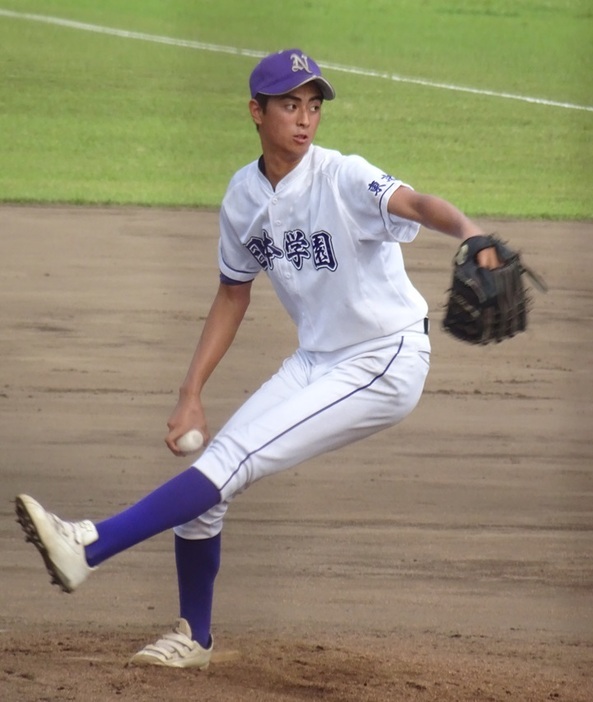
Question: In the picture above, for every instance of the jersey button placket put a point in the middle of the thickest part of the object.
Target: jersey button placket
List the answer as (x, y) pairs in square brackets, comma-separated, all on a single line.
[(274, 216), (276, 222)]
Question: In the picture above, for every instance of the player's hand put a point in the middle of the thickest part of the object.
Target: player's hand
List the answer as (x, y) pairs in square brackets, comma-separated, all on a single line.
[(488, 258), (188, 414)]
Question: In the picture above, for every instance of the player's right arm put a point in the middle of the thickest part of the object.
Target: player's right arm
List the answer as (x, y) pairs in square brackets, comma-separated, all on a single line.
[(225, 316)]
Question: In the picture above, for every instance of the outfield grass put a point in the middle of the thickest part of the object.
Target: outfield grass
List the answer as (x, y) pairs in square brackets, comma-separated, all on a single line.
[(91, 118)]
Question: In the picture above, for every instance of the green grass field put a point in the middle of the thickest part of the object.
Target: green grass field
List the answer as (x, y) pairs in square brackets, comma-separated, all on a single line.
[(87, 117)]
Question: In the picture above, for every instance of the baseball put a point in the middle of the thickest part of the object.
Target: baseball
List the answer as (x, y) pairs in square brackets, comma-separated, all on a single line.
[(191, 441)]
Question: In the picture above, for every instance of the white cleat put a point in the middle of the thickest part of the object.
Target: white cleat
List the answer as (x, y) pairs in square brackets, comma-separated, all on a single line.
[(60, 543), (176, 649)]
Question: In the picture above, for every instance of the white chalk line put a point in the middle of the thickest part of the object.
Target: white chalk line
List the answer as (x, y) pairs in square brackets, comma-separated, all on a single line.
[(221, 49)]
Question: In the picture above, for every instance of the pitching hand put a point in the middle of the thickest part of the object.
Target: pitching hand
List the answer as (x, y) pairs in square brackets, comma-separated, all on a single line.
[(188, 414)]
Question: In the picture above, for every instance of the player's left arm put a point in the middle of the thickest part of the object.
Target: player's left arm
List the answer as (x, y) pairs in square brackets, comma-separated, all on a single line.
[(435, 213)]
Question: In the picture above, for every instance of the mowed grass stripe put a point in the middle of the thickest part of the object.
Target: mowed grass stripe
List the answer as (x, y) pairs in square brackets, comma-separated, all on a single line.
[(236, 51)]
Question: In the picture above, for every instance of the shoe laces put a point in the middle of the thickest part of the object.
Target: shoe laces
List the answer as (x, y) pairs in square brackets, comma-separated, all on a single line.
[(79, 533), (66, 529), (174, 642)]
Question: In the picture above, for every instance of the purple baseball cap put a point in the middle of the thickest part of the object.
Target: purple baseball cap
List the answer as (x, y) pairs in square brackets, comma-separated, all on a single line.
[(279, 73)]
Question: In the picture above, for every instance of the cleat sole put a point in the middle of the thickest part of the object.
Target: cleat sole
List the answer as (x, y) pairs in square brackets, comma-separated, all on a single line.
[(31, 536)]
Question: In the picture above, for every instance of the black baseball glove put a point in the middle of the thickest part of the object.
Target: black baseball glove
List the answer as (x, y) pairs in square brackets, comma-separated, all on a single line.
[(483, 304)]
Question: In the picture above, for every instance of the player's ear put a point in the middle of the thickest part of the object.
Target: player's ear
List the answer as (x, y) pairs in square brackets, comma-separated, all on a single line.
[(256, 111)]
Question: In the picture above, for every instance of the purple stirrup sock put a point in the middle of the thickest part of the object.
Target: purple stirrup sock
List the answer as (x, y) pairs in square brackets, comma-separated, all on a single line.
[(198, 562), (178, 501)]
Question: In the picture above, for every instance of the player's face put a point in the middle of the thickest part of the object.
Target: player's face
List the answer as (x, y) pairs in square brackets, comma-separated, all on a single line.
[(288, 125)]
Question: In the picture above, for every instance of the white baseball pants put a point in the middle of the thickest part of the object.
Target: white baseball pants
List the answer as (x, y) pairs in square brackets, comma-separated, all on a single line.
[(315, 403)]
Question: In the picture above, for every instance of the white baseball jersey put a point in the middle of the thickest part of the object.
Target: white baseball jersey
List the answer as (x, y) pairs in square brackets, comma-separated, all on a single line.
[(332, 251), (328, 244)]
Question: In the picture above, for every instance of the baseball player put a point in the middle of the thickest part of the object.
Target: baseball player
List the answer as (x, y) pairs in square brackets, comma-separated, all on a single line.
[(327, 229)]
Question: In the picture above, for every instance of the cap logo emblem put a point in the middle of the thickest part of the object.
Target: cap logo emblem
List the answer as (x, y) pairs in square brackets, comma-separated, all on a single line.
[(300, 62)]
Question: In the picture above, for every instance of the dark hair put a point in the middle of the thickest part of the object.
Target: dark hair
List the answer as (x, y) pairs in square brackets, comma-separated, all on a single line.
[(262, 101)]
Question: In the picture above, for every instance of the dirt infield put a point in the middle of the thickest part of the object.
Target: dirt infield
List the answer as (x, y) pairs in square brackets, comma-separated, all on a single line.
[(447, 559)]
